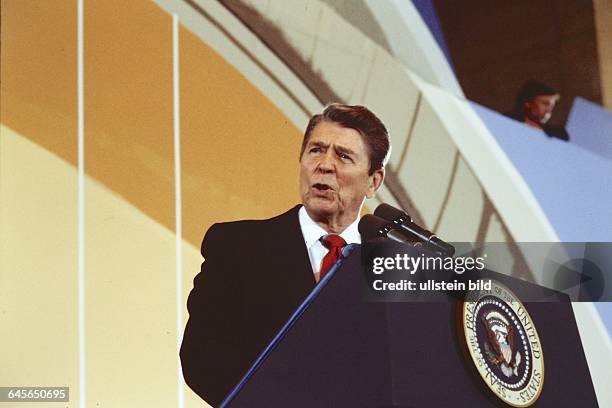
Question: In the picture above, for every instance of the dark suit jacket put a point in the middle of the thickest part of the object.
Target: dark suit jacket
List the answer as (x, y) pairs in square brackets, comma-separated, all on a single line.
[(551, 130), (255, 274)]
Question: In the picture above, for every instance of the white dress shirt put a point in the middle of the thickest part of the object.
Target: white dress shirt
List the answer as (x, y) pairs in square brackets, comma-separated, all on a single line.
[(312, 233)]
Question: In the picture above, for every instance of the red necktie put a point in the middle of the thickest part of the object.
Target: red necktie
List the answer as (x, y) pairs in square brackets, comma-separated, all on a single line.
[(334, 243)]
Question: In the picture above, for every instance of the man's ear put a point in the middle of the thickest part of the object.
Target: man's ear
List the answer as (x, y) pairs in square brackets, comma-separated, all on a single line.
[(375, 180)]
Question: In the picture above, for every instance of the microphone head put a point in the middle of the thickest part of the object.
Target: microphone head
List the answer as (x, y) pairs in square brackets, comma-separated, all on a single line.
[(370, 227), (390, 213)]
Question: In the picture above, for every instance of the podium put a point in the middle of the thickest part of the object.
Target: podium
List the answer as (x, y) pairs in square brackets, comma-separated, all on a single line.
[(339, 350)]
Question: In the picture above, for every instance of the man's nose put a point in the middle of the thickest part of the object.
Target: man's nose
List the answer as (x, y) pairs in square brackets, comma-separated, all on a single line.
[(326, 163)]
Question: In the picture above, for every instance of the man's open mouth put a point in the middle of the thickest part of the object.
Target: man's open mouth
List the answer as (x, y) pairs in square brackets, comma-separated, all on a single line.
[(321, 187)]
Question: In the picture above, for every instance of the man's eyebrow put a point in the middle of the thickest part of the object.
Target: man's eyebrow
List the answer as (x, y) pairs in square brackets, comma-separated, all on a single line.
[(318, 144), (344, 149), (338, 148)]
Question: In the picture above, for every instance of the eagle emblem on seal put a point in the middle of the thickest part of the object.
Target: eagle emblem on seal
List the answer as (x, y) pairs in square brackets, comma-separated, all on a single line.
[(499, 347), (503, 344)]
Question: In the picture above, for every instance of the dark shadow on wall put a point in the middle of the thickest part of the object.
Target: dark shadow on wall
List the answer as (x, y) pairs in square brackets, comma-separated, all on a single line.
[(274, 38), (496, 45)]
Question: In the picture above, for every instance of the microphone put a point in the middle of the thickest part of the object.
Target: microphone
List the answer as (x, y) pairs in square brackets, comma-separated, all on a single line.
[(371, 227), (402, 221)]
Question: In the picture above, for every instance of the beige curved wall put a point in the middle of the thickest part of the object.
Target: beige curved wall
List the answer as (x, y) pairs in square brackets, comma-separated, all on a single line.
[(603, 18), (38, 190), (239, 160)]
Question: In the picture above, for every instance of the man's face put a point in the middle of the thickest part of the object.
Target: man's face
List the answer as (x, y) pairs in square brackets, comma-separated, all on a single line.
[(334, 179), (540, 108)]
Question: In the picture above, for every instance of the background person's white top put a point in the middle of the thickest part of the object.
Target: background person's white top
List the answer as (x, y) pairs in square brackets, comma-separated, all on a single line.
[(312, 232)]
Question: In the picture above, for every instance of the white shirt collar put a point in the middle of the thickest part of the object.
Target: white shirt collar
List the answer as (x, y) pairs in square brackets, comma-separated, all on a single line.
[(313, 231)]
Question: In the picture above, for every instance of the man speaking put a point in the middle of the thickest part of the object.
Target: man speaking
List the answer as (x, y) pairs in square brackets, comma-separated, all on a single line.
[(256, 273)]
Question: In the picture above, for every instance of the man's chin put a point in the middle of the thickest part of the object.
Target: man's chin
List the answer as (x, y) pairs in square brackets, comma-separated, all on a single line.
[(317, 207)]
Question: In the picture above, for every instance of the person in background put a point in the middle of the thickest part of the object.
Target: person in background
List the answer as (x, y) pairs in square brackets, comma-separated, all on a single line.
[(534, 106)]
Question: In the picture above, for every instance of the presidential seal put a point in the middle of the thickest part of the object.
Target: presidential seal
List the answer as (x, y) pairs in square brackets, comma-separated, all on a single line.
[(503, 344)]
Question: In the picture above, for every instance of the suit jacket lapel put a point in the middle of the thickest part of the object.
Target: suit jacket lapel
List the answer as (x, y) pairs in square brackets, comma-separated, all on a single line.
[(299, 278)]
